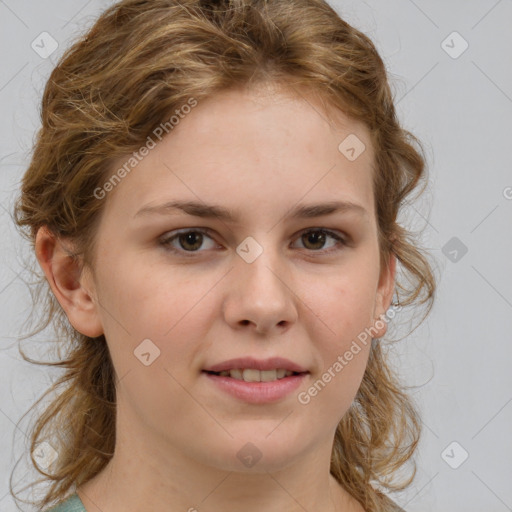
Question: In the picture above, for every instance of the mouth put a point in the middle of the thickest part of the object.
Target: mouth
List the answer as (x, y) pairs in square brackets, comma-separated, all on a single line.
[(254, 375), (254, 386)]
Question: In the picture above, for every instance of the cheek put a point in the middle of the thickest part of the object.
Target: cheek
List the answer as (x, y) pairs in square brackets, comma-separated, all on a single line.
[(333, 392), (340, 312), (168, 308), (155, 329), (343, 305)]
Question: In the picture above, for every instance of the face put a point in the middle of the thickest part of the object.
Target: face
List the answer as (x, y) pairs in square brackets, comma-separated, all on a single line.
[(178, 292)]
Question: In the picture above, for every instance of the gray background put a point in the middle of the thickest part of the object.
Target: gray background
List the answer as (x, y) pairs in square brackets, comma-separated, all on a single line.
[(460, 106)]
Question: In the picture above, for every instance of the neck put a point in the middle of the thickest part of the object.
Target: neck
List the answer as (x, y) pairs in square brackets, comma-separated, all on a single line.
[(131, 484)]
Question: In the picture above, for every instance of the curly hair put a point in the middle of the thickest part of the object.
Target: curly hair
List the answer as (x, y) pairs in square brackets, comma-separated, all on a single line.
[(139, 62)]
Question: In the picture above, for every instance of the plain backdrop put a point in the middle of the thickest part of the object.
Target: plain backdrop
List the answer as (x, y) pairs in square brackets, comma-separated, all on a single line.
[(450, 65)]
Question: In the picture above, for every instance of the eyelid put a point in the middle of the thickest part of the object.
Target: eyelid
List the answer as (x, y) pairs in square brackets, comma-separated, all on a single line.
[(166, 239)]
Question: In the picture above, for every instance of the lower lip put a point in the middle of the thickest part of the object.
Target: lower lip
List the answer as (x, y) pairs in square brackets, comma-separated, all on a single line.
[(258, 392)]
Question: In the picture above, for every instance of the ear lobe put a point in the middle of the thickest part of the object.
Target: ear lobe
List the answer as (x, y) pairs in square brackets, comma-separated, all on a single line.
[(69, 285)]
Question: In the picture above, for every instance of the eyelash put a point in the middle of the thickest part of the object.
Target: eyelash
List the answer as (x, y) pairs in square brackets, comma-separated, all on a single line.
[(166, 241)]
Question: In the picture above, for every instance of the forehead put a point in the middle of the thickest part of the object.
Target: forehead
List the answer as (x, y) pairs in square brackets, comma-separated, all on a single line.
[(252, 150)]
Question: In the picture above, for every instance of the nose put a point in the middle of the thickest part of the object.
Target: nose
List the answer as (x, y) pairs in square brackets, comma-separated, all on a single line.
[(260, 295)]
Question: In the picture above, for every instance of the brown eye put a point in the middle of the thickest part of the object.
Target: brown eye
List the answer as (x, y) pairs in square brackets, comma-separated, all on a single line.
[(191, 240), (315, 239), (186, 241)]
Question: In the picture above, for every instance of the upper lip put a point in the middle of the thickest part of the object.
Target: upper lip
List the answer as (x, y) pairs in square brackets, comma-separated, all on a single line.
[(272, 363)]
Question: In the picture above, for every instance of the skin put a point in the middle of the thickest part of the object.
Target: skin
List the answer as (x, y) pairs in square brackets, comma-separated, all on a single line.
[(177, 434)]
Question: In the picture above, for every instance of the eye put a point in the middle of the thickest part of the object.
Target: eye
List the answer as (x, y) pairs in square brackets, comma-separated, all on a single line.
[(191, 240), (317, 237)]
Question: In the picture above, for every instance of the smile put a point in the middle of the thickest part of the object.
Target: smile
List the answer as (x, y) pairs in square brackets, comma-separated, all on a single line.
[(253, 375)]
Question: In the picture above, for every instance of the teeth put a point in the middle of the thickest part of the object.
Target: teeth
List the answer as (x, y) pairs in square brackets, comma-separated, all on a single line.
[(236, 374), (252, 375)]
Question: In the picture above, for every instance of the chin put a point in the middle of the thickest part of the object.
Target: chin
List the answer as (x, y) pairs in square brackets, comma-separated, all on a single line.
[(257, 451)]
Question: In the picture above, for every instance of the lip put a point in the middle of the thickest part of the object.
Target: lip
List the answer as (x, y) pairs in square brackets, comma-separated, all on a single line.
[(257, 392), (272, 363)]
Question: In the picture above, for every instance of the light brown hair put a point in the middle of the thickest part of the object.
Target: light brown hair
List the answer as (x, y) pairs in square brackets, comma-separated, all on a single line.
[(141, 61)]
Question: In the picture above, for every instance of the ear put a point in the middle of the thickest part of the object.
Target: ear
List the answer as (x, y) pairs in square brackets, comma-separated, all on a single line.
[(384, 295), (69, 285)]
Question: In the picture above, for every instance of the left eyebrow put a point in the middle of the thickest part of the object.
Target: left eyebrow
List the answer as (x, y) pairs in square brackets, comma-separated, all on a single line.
[(198, 209)]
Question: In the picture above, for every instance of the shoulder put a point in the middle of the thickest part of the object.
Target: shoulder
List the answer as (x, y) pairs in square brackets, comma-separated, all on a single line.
[(71, 504)]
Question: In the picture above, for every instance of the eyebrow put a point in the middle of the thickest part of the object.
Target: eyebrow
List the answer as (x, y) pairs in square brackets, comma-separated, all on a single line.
[(198, 209)]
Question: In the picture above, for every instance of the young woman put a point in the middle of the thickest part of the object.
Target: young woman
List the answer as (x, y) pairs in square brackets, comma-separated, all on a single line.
[(213, 201)]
